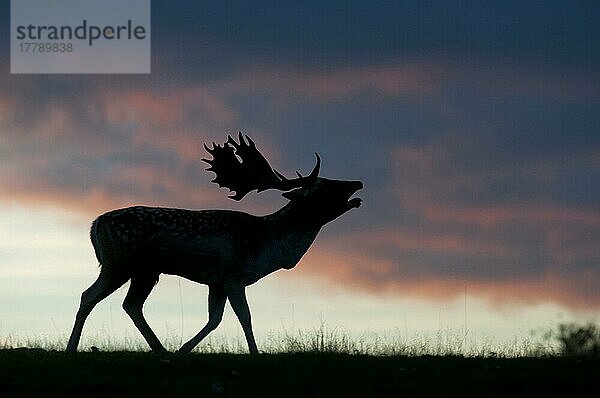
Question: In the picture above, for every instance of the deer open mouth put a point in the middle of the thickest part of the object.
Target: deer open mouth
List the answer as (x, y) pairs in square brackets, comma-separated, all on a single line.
[(355, 202)]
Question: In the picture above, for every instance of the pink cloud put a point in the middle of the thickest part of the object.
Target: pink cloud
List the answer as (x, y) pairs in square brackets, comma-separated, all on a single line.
[(161, 117), (408, 79), (508, 80), (123, 186), (541, 250), (494, 215), (378, 276), (6, 109), (164, 107), (412, 79), (414, 239), (428, 183), (123, 125)]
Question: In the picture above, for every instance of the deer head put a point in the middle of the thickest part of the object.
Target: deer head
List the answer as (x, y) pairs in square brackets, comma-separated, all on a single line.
[(240, 167)]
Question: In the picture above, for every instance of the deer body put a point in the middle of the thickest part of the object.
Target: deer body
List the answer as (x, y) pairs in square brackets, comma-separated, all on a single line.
[(226, 250), (206, 246)]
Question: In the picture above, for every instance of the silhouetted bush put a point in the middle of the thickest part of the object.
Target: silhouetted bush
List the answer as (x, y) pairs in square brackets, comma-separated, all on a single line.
[(579, 340)]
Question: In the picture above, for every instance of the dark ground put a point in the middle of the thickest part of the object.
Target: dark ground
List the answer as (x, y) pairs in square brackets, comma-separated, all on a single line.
[(38, 373)]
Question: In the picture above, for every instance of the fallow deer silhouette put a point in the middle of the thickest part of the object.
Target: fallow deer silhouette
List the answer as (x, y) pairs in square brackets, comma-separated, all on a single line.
[(226, 250)]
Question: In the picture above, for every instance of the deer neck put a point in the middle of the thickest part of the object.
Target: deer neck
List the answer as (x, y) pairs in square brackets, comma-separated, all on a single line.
[(291, 232)]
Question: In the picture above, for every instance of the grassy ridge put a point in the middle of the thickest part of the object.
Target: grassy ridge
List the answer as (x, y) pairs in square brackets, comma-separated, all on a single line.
[(36, 372)]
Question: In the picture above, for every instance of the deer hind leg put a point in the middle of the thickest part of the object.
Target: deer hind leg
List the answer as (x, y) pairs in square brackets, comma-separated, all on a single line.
[(239, 303), (108, 281), (140, 288), (216, 305)]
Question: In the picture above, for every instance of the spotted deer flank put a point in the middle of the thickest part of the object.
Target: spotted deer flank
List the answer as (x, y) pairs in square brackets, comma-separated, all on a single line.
[(226, 250)]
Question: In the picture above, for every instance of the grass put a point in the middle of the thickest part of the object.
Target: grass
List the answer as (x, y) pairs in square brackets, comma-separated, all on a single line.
[(322, 363), (36, 372), (319, 340)]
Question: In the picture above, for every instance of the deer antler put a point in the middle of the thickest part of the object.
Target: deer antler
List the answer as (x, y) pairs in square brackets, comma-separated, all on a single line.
[(251, 171)]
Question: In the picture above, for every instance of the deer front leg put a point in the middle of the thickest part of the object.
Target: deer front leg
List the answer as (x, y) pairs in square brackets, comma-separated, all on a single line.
[(216, 305), (239, 303), (106, 283)]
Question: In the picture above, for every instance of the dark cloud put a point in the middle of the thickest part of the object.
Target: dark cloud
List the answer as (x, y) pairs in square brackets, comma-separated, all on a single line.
[(337, 32)]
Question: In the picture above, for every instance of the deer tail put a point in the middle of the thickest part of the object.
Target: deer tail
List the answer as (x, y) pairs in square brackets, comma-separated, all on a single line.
[(102, 240)]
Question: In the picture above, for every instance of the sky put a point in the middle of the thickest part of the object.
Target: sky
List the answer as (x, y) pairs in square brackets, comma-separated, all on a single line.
[(473, 125)]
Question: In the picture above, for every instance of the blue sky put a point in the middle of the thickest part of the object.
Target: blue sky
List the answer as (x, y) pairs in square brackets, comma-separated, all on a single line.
[(474, 125)]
